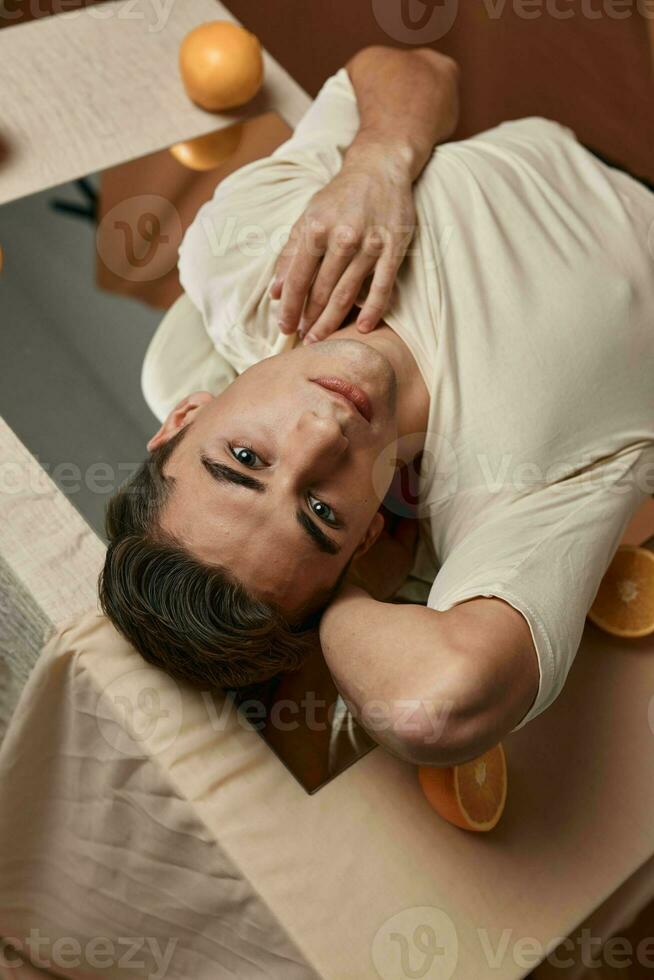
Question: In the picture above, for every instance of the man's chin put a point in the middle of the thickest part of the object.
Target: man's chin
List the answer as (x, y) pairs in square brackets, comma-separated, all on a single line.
[(369, 364)]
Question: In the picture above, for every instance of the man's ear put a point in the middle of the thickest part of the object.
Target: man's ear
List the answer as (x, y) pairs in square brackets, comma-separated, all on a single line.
[(375, 528), (183, 413)]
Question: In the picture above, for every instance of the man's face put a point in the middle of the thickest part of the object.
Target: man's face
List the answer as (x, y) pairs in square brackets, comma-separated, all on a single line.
[(274, 478)]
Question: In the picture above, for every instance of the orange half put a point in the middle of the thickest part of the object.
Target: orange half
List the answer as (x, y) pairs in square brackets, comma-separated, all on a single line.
[(624, 604), (472, 795)]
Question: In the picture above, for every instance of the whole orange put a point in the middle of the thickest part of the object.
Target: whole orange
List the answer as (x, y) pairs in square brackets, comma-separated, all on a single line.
[(221, 65)]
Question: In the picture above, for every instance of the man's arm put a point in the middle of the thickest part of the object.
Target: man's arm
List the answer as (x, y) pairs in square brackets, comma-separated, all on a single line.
[(408, 103), (435, 688), (364, 219)]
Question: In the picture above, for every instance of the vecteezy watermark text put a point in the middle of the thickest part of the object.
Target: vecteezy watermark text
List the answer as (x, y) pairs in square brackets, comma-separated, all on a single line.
[(154, 14), (422, 942), (425, 21), (130, 953)]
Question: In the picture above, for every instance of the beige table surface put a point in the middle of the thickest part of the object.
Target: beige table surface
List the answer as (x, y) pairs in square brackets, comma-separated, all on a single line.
[(87, 89), (336, 866)]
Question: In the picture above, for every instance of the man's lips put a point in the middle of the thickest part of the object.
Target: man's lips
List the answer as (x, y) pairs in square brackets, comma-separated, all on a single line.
[(352, 392)]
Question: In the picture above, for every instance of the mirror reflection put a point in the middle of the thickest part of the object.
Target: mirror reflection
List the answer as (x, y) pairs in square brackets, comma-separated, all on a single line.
[(90, 272)]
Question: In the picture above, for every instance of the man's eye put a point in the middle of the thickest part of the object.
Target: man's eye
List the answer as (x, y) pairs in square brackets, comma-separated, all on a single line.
[(247, 457), (322, 510)]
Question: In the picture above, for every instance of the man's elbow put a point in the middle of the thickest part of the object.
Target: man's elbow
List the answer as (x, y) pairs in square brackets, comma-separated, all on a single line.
[(443, 65), (436, 58), (446, 66), (446, 74), (458, 724), (454, 745)]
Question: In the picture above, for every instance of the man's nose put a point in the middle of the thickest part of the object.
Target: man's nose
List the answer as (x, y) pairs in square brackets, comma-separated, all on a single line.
[(318, 441)]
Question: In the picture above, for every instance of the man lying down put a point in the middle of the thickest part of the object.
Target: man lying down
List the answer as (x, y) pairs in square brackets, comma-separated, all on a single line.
[(503, 351)]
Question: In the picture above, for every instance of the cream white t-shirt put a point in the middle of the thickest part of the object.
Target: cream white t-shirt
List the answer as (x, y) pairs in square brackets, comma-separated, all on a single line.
[(527, 299)]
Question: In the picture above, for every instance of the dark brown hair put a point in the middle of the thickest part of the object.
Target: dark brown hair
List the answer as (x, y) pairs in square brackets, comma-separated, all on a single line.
[(194, 620)]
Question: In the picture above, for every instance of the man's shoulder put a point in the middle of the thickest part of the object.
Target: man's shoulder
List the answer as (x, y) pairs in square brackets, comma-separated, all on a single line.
[(507, 144), (525, 127)]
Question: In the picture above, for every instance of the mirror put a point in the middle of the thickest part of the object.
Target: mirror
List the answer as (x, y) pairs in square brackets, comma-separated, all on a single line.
[(89, 271)]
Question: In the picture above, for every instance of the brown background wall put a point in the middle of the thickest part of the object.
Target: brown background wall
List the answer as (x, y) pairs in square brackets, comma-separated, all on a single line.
[(586, 63), (574, 61)]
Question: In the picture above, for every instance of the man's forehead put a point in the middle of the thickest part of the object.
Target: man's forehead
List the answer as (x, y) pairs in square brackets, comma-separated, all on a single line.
[(198, 509), (239, 529)]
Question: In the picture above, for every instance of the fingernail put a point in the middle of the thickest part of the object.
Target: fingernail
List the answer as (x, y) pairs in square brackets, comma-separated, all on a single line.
[(309, 339), (283, 325), (363, 324)]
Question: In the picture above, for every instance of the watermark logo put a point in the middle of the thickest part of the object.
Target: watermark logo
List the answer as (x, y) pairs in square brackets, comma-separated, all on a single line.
[(418, 943), (18, 478), (139, 237), (415, 21), (415, 473), (131, 712), (425, 21), (152, 14), (421, 471), (143, 956)]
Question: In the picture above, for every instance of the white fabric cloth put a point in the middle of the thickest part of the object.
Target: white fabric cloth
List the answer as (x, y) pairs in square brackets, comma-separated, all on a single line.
[(526, 300), (136, 809), (181, 358)]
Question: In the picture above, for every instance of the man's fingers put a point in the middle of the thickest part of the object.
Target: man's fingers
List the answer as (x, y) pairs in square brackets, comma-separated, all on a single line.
[(379, 292), (284, 260), (336, 259), (343, 295), (307, 251)]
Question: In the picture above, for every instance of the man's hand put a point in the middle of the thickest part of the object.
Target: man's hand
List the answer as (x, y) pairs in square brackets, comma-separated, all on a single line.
[(360, 224)]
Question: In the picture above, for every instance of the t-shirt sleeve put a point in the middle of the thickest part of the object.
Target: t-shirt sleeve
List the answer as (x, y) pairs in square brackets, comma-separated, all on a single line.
[(228, 254), (327, 128), (545, 553)]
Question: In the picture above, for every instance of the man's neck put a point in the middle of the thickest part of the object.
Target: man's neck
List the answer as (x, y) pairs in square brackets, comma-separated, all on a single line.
[(412, 394)]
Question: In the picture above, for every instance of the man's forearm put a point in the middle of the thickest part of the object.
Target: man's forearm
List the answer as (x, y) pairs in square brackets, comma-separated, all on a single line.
[(397, 671), (407, 101), (436, 688)]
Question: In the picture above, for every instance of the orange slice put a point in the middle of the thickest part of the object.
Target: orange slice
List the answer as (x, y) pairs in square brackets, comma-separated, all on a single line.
[(624, 604), (471, 795)]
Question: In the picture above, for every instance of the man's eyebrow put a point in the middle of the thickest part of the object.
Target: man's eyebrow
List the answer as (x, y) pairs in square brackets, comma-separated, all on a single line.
[(324, 542), (227, 474)]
